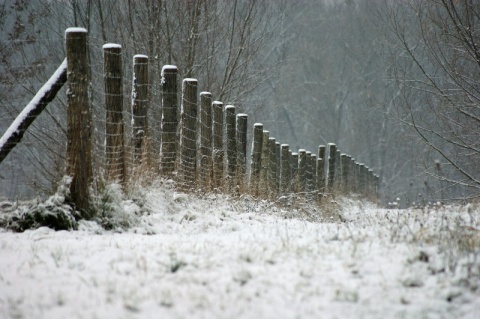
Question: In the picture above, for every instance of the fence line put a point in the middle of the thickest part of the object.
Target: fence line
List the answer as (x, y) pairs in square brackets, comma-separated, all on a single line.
[(202, 147)]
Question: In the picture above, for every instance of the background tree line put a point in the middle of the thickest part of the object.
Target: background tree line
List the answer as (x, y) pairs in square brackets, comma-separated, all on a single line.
[(391, 82)]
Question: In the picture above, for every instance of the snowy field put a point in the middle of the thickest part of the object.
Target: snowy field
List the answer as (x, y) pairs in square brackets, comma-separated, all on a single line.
[(213, 257)]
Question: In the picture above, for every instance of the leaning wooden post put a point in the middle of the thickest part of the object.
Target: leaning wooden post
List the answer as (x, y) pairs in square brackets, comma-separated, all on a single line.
[(272, 168), (217, 147), (139, 109), (285, 169), (256, 164), (264, 164), (205, 132), (114, 130), (188, 134), (168, 147), (231, 147), (79, 124), (302, 171), (241, 137), (332, 150)]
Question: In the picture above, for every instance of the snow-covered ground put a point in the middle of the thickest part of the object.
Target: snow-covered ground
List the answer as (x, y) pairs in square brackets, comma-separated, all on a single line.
[(214, 257)]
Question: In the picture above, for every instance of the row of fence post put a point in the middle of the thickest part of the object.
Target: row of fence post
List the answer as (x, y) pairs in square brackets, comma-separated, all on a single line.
[(204, 147)]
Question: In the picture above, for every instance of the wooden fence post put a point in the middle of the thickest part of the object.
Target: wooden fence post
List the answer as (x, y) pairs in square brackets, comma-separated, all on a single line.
[(308, 173), (256, 164), (241, 137), (205, 133), (285, 169), (344, 172), (169, 140), (139, 109), (302, 171), (231, 147), (332, 150), (321, 171), (272, 169), (217, 111), (79, 129), (114, 130), (264, 164), (188, 134), (294, 172), (320, 179), (313, 188)]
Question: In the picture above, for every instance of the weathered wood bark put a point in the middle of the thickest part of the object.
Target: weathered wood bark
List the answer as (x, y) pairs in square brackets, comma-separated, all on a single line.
[(188, 134), (169, 140), (302, 171), (231, 147), (241, 137), (114, 129), (45, 95), (205, 132), (313, 188), (140, 109), (321, 171), (294, 172), (272, 169), (264, 164), (217, 111), (285, 169), (256, 164), (332, 151), (79, 129), (320, 179), (308, 172)]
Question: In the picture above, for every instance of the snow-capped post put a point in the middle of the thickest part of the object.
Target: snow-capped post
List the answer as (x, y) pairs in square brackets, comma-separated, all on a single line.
[(217, 128), (256, 164), (313, 165), (114, 127), (332, 150), (14, 134), (294, 172), (361, 179), (169, 139), (140, 109), (241, 137), (352, 176), (205, 132), (285, 169), (320, 179), (278, 158), (264, 164), (302, 171), (188, 134), (231, 147), (272, 168), (321, 171), (79, 123)]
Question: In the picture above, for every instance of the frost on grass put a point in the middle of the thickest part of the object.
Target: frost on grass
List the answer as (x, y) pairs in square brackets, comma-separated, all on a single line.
[(54, 212)]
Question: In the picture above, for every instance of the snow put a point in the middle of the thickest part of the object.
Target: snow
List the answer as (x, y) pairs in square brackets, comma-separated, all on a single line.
[(168, 67), (75, 30), (214, 257), (139, 56), (189, 80), (242, 115), (205, 93), (258, 125), (13, 129), (112, 46), (228, 107)]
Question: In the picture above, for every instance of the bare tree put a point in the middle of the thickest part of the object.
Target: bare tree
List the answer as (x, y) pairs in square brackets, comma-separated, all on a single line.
[(435, 68)]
